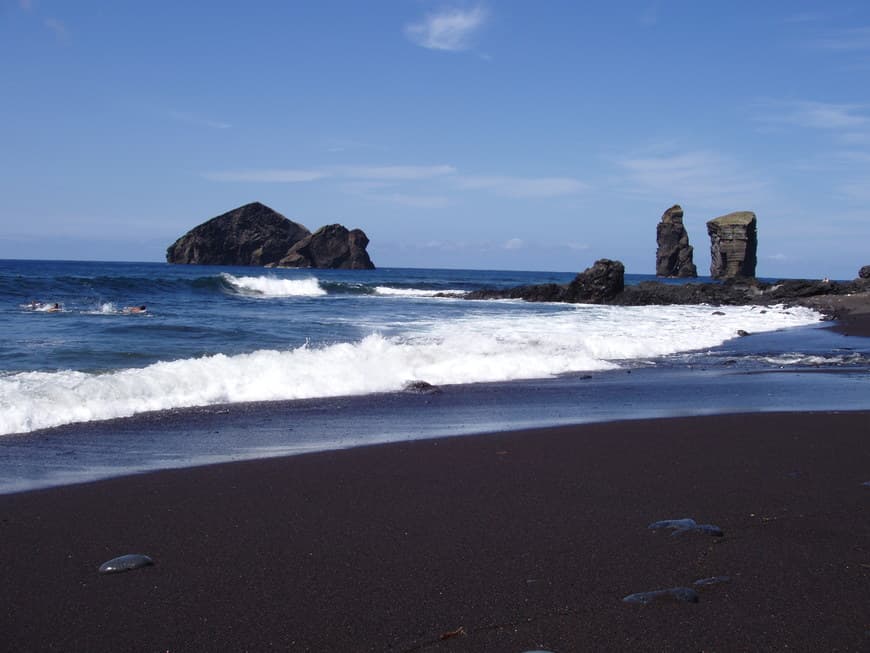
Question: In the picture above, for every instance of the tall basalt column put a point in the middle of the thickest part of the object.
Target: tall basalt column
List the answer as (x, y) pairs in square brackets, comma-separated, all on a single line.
[(674, 254), (733, 245)]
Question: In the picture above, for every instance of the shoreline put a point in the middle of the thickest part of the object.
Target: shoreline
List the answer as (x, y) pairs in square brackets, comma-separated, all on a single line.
[(850, 313), (525, 539)]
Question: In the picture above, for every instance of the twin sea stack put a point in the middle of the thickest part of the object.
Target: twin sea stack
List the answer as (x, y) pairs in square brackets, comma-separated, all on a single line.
[(254, 234)]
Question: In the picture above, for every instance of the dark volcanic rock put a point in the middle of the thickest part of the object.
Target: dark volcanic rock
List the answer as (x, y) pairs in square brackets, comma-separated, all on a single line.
[(546, 292), (252, 234), (674, 254), (332, 246), (864, 272), (598, 284), (602, 283), (733, 245)]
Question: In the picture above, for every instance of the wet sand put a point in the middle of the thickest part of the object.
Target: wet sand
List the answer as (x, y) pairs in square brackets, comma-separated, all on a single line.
[(504, 542), (850, 312)]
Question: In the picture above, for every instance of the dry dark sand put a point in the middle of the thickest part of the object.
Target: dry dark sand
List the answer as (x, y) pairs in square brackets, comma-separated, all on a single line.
[(525, 540)]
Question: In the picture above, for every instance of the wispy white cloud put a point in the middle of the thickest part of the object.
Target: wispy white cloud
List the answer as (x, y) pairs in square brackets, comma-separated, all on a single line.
[(59, 29), (702, 176), (395, 172), (650, 15), (816, 115), (855, 138), (524, 186), (412, 200), (855, 39), (450, 29), (391, 183), (275, 176), (191, 119), (856, 190), (514, 243), (804, 17), (368, 177)]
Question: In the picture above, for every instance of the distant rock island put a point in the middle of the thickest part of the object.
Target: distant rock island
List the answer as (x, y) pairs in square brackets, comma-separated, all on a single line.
[(255, 234)]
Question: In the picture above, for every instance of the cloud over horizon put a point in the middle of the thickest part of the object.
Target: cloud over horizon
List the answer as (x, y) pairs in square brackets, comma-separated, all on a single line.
[(702, 176), (524, 186)]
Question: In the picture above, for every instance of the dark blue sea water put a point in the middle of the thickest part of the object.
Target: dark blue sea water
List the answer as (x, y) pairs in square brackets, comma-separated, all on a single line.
[(227, 363)]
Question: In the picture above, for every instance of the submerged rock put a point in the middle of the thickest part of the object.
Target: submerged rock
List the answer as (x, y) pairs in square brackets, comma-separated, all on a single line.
[(674, 254), (125, 563), (673, 594)]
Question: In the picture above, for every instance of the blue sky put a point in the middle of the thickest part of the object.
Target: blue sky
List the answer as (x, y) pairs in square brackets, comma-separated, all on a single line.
[(513, 135)]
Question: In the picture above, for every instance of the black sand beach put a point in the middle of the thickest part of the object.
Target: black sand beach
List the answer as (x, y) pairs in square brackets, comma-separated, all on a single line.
[(512, 541)]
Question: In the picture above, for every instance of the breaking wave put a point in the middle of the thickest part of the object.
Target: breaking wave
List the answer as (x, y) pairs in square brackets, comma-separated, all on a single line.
[(267, 287), (468, 349)]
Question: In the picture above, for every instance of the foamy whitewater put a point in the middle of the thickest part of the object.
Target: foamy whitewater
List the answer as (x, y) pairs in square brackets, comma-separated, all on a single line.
[(221, 336)]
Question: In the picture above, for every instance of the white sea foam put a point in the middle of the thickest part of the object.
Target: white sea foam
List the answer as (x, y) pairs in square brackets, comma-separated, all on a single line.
[(266, 287), (474, 348), (389, 291), (811, 360)]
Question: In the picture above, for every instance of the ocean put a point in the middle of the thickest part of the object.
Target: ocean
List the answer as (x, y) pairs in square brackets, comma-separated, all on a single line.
[(228, 363)]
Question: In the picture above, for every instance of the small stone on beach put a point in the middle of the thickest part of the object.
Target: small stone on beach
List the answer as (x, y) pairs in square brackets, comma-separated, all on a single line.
[(713, 580), (686, 525), (421, 387), (676, 594), (125, 563)]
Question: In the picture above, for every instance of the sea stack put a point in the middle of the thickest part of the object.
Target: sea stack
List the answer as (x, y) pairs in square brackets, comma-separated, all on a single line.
[(255, 234), (674, 254), (733, 245)]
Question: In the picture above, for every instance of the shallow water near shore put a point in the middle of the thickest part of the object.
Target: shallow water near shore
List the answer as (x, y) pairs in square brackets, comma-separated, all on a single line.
[(236, 363), (196, 436)]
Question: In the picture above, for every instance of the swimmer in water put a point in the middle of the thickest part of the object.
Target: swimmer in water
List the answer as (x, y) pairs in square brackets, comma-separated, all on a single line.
[(55, 308), (135, 309)]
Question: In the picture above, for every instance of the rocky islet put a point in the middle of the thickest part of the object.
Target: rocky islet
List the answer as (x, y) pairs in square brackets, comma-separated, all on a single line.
[(257, 235)]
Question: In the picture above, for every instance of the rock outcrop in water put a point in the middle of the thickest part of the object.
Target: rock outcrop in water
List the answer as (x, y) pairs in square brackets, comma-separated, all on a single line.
[(333, 246), (674, 254), (603, 283), (255, 234), (599, 284), (733, 245)]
